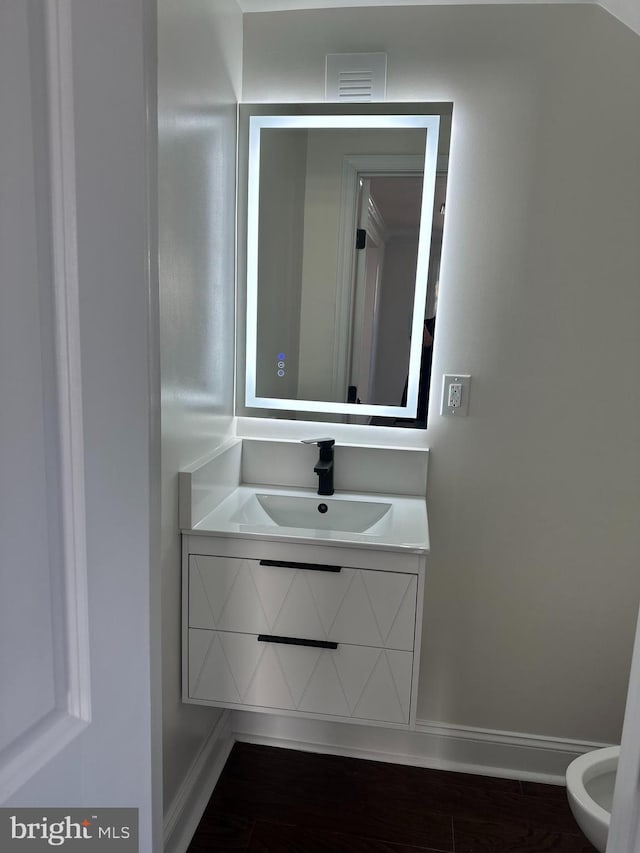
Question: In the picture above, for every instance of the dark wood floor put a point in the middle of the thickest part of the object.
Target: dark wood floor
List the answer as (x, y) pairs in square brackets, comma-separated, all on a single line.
[(271, 799)]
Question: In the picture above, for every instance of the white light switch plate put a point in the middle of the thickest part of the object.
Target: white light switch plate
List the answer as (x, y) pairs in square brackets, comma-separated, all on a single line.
[(455, 394)]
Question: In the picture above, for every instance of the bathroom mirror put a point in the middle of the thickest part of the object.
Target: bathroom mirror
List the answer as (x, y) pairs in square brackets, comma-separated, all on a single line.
[(342, 261)]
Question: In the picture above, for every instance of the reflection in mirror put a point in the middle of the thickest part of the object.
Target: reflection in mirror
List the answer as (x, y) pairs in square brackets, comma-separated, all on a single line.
[(343, 242), (401, 251)]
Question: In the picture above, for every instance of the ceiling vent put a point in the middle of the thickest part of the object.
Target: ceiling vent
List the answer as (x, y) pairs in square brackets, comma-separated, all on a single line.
[(356, 77)]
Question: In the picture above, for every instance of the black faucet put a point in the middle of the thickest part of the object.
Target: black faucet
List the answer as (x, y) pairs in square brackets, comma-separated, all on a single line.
[(324, 465)]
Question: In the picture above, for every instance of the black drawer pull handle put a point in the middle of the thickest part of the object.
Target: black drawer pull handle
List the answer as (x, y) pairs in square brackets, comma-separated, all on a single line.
[(313, 567), (296, 641)]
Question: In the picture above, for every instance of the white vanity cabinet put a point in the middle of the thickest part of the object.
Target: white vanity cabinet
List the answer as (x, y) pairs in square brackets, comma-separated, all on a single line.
[(321, 631)]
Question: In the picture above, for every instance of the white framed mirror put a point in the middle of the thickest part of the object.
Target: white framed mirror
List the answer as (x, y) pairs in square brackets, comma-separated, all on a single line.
[(335, 202)]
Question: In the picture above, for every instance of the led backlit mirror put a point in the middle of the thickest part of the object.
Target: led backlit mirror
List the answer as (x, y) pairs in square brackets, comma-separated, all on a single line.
[(342, 260)]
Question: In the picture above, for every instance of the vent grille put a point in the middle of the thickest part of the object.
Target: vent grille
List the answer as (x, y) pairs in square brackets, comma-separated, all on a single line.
[(356, 77)]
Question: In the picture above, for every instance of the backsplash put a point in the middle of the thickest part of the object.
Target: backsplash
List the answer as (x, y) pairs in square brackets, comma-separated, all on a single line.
[(272, 462), (357, 469)]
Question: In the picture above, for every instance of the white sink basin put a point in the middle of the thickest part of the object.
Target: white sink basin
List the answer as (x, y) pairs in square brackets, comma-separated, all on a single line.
[(312, 513), (392, 522)]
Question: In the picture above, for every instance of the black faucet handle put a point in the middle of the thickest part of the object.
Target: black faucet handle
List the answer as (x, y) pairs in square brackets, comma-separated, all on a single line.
[(321, 442), (324, 466)]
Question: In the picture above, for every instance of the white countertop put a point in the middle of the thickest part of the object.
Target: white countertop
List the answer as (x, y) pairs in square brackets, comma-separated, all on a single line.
[(404, 528)]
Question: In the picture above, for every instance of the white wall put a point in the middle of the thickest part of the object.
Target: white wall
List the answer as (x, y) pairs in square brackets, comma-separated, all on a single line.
[(200, 54), (533, 586), (283, 156)]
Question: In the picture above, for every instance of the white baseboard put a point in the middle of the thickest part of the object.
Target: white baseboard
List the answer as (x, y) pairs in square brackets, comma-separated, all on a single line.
[(184, 813), (436, 745)]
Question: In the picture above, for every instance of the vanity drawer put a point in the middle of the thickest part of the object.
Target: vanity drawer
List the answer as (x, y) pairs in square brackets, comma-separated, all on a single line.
[(353, 606), (357, 682)]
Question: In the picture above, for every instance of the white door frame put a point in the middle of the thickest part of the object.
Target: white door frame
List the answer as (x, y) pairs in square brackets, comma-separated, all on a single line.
[(30, 750), (352, 167), (365, 300), (624, 830), (80, 379)]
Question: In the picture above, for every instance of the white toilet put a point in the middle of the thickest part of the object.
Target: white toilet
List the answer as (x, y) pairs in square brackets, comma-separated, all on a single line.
[(590, 782)]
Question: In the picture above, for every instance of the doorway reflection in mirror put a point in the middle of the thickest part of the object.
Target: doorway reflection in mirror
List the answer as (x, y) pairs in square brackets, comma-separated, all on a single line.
[(390, 341)]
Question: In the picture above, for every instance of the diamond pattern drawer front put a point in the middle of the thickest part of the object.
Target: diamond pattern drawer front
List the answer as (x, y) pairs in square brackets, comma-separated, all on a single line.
[(353, 606), (350, 681)]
